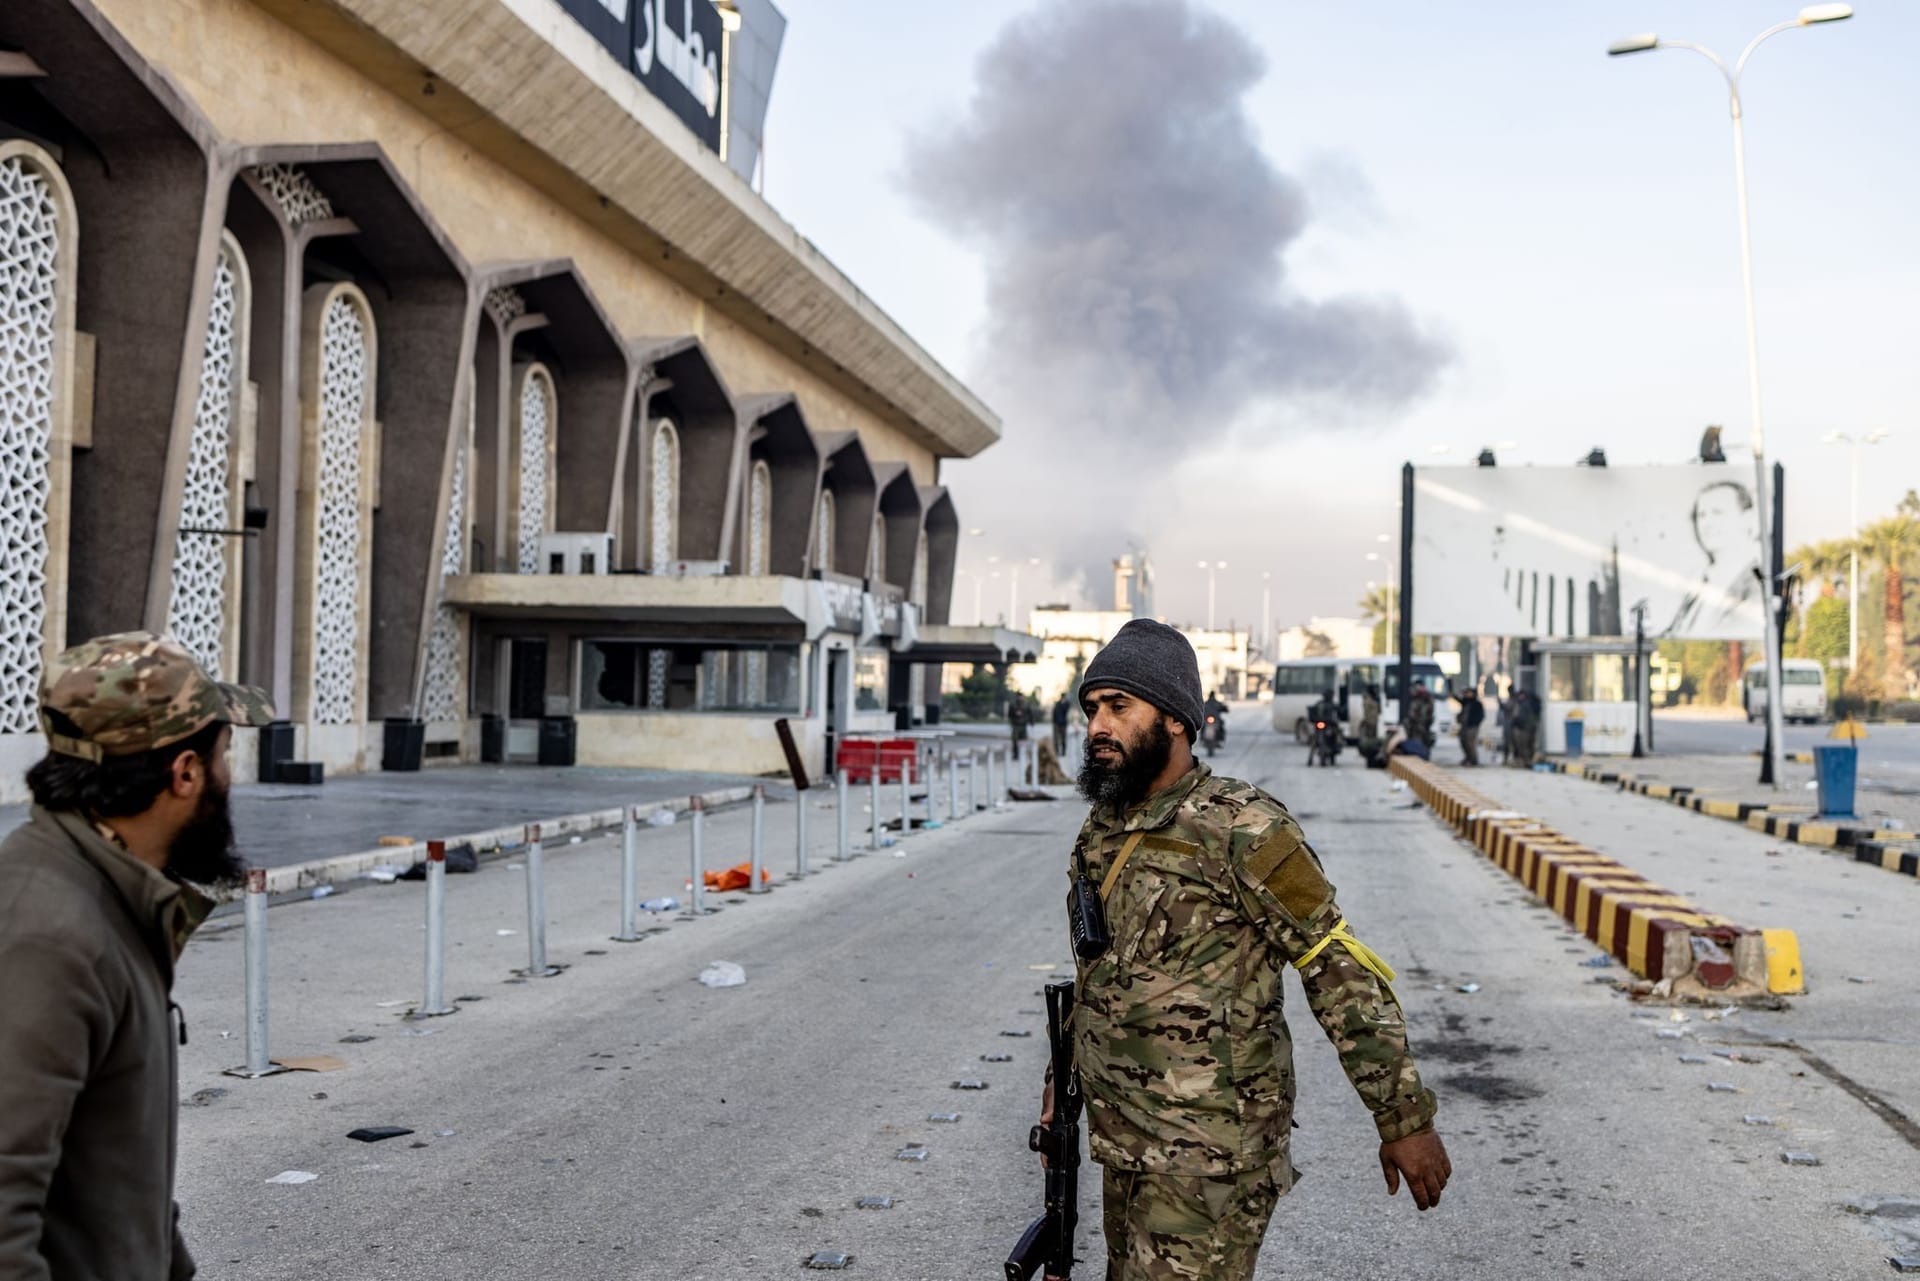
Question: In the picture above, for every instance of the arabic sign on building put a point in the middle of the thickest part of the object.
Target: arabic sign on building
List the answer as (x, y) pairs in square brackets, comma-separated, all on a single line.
[(673, 47)]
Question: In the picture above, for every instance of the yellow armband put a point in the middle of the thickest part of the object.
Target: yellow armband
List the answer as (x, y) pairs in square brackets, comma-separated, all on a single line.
[(1369, 959)]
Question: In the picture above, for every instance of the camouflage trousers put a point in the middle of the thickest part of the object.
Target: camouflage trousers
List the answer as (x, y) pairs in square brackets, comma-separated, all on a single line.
[(1173, 1227)]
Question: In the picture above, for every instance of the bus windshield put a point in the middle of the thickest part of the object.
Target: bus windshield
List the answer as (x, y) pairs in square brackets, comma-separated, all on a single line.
[(1427, 674)]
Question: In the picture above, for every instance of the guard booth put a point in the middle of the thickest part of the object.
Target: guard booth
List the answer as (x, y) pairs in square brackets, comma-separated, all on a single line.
[(1603, 679)]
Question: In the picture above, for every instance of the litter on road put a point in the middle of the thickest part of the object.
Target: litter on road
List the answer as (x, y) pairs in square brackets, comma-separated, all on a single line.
[(294, 1176), (1799, 1158), (723, 974), (375, 1133)]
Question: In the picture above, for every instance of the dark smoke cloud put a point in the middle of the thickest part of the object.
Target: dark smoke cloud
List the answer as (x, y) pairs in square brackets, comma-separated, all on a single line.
[(1133, 234)]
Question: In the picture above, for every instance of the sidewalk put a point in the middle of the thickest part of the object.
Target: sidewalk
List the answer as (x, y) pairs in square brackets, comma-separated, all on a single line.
[(279, 825), (1881, 795)]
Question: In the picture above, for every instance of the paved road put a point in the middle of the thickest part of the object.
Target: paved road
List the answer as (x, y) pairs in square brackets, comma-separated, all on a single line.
[(624, 1121), (1887, 747)]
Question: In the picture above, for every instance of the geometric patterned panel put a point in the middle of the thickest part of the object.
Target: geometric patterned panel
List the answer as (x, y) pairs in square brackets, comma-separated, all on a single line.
[(666, 497), (197, 610), (505, 304), (759, 535), (536, 426), (444, 684), (759, 518), (29, 254), (823, 553), (344, 343), (299, 200), (663, 540)]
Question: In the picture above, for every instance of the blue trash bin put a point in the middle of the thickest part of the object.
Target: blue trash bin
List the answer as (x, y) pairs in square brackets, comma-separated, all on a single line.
[(1576, 736), (1834, 768)]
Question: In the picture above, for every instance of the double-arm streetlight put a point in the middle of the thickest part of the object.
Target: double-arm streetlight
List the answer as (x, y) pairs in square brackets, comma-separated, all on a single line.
[(1812, 15), (1853, 443), (1212, 567)]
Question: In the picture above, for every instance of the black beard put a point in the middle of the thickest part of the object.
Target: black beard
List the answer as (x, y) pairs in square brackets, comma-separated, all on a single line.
[(1123, 784), (203, 852)]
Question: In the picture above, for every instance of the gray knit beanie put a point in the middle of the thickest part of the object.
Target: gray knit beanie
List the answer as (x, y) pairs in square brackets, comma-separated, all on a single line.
[(1155, 662)]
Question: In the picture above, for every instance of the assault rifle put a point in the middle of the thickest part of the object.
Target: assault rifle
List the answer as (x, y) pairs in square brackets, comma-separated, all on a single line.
[(1048, 1242)]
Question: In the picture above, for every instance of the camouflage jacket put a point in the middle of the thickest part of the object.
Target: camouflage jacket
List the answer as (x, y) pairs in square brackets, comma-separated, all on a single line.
[(1184, 1057)]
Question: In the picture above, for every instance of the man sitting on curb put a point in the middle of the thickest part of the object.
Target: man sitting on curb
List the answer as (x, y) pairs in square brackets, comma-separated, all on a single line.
[(130, 805)]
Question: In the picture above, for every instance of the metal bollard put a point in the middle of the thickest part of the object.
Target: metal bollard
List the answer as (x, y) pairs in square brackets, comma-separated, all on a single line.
[(906, 799), (697, 883), (258, 1062), (754, 885), (434, 1002), (629, 876), (841, 852), (873, 803), (799, 833), (933, 787), (993, 793), (537, 967), (953, 788), (973, 782)]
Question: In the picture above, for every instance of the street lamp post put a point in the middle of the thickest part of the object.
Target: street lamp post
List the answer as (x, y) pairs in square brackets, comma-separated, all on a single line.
[(1013, 592), (1853, 444), (1266, 615), (1812, 15), (1212, 567)]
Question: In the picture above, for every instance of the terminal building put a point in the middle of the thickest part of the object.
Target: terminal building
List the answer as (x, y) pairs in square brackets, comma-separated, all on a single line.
[(446, 376)]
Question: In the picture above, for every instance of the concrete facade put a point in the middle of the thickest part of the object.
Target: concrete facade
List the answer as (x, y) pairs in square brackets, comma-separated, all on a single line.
[(348, 303)]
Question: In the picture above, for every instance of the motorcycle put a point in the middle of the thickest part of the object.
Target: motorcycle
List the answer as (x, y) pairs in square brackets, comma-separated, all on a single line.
[(1325, 746), (1213, 735)]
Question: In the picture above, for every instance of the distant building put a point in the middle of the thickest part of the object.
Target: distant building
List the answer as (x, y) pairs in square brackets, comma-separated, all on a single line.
[(1327, 638)]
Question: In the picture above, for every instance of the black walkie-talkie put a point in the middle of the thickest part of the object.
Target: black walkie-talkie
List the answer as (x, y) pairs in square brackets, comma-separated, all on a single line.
[(1086, 914)]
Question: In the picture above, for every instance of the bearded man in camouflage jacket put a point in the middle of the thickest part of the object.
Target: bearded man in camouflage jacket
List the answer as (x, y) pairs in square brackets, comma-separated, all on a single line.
[(1185, 1061)]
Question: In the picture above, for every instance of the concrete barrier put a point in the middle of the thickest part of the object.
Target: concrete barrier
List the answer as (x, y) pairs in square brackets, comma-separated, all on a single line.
[(1781, 820), (1647, 928)]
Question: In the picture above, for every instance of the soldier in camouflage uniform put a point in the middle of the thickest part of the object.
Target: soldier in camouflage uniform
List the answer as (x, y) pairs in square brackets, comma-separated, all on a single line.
[(96, 902), (1185, 1061)]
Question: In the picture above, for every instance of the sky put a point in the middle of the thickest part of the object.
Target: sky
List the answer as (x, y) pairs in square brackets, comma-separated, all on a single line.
[(1222, 268)]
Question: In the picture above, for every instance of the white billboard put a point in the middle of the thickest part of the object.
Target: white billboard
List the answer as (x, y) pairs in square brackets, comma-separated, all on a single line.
[(1571, 551)]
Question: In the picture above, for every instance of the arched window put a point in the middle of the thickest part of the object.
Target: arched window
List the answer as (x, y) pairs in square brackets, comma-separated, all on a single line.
[(664, 530), (663, 539), (203, 609), (823, 551), (37, 236), (877, 551), (538, 412), (443, 696), (759, 518), (341, 390)]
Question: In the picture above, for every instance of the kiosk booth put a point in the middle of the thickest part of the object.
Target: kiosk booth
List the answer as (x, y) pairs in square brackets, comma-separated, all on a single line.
[(1603, 680)]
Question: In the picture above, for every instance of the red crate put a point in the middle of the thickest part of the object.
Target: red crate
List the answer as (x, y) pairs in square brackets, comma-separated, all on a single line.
[(859, 756)]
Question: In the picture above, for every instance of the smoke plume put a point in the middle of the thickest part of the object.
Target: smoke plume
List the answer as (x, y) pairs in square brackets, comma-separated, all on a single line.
[(1133, 234)]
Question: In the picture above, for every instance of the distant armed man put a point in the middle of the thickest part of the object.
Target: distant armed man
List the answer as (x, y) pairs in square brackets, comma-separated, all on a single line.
[(1210, 892)]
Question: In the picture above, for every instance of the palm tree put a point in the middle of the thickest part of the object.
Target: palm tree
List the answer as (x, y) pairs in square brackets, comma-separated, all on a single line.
[(1825, 562), (1892, 542), (1377, 607)]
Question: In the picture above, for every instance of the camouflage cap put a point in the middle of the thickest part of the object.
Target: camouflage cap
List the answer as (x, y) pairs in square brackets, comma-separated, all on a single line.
[(135, 691)]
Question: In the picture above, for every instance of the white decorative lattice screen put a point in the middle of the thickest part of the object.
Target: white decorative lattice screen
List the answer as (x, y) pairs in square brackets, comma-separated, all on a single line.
[(344, 343), (536, 426), (29, 259), (197, 608), (759, 539), (299, 200), (663, 538), (445, 681), (823, 554)]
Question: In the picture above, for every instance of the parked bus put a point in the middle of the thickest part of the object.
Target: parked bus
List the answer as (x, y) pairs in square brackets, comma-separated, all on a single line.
[(1803, 691), (1299, 683)]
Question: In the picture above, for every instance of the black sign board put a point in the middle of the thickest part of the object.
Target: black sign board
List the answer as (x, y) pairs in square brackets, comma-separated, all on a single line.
[(673, 47)]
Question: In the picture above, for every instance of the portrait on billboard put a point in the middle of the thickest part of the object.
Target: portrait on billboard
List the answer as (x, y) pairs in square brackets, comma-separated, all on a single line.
[(1575, 551)]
